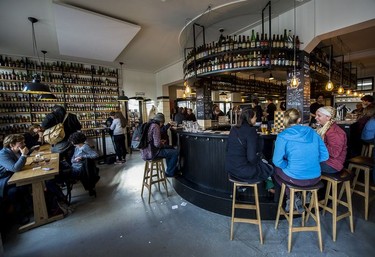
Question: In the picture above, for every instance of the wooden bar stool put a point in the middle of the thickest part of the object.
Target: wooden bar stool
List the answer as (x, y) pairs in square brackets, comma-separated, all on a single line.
[(236, 205), (333, 181), (154, 173), (289, 215), (364, 163)]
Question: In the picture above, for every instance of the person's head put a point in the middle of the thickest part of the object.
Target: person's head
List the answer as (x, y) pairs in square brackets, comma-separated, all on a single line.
[(270, 100), (160, 118), (291, 117), (359, 106), (35, 129), (189, 111), (14, 142), (247, 116), (320, 98), (369, 111), (256, 101), (325, 114), (217, 109), (112, 114), (118, 115), (367, 100), (77, 138)]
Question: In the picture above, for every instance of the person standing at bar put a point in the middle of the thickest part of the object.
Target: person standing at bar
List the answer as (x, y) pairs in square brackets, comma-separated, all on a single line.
[(258, 110), (64, 148), (314, 107), (270, 111), (334, 139), (118, 126)]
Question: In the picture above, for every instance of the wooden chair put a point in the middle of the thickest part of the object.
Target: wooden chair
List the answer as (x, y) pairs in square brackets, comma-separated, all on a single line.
[(235, 205), (333, 181), (289, 215), (154, 173), (364, 163)]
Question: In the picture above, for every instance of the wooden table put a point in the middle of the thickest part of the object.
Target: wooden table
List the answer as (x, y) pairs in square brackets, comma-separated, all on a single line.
[(36, 177)]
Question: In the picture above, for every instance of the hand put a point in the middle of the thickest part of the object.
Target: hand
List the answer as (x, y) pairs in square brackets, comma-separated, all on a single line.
[(24, 151), (77, 159), (163, 141)]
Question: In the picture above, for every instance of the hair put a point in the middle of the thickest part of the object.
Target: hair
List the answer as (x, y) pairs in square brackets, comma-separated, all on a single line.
[(368, 98), (32, 127), (12, 140), (77, 138), (256, 101), (118, 115), (291, 117), (246, 115), (323, 130), (159, 117), (112, 114), (369, 111), (320, 94)]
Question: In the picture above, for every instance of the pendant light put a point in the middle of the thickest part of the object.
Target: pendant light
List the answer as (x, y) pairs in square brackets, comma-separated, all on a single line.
[(123, 97), (35, 87), (294, 82), (329, 85)]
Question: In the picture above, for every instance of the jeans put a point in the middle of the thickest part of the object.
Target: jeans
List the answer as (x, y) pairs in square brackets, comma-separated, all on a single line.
[(171, 158), (327, 169), (120, 147)]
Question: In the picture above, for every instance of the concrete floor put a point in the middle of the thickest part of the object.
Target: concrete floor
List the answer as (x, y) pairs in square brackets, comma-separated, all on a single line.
[(120, 223)]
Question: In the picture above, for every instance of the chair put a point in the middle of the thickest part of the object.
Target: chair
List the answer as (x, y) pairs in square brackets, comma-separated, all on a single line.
[(364, 163), (289, 215), (236, 205), (154, 173), (333, 180)]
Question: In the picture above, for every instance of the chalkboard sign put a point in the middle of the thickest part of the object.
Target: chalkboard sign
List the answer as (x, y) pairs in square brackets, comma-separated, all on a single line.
[(299, 97), (204, 103)]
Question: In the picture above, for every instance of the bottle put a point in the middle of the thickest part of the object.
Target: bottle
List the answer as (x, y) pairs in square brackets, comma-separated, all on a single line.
[(298, 43), (290, 40), (285, 37), (253, 39), (257, 41)]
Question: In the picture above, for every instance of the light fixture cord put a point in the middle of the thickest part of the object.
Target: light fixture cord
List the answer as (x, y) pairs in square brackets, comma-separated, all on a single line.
[(35, 46), (295, 33)]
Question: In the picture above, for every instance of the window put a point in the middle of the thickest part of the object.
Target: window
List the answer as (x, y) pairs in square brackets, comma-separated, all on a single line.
[(365, 83)]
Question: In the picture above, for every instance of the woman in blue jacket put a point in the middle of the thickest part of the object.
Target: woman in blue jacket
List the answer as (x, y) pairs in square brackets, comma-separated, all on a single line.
[(299, 150)]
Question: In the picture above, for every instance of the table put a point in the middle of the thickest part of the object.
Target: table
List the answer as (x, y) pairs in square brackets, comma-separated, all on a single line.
[(36, 177)]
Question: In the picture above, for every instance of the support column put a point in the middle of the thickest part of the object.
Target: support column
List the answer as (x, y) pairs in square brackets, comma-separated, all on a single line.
[(204, 103)]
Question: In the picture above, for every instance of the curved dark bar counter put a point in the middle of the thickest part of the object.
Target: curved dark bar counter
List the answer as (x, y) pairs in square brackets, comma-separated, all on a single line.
[(204, 181)]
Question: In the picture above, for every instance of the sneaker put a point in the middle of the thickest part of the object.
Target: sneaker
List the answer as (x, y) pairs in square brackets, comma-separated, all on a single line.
[(308, 198), (298, 204), (287, 206)]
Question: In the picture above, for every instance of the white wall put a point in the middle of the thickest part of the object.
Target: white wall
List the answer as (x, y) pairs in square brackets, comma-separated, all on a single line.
[(170, 75), (135, 81)]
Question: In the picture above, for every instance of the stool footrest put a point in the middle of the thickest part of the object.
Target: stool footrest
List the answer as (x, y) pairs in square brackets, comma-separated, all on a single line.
[(245, 206), (243, 220)]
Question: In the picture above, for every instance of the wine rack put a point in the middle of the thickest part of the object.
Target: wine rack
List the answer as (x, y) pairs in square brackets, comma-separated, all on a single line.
[(89, 91)]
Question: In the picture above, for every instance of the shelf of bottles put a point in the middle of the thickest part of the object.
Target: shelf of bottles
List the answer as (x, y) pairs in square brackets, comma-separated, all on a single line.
[(319, 68), (87, 90), (236, 53)]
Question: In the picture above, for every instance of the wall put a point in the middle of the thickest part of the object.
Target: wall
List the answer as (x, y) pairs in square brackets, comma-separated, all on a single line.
[(135, 81)]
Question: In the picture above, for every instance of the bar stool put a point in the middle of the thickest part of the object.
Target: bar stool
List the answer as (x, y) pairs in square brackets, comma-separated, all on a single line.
[(154, 173), (235, 205), (333, 181), (364, 163), (289, 216)]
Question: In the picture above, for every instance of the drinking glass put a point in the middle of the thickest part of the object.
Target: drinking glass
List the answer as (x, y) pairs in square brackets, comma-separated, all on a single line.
[(263, 128)]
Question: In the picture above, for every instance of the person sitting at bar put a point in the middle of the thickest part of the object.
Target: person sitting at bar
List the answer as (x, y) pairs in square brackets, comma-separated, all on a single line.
[(243, 149), (34, 138), (190, 116), (155, 147), (12, 159), (358, 110), (334, 139), (216, 112), (314, 107), (299, 150), (368, 135), (86, 174)]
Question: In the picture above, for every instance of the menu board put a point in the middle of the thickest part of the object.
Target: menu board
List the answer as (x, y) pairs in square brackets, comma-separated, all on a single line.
[(204, 103), (299, 97)]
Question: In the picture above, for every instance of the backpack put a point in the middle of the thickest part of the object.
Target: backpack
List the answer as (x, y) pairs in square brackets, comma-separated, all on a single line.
[(55, 134), (140, 136)]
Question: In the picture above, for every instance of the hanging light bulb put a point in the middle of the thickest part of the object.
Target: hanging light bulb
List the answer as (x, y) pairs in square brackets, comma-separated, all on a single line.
[(348, 92), (329, 85), (294, 82), (340, 90), (355, 93)]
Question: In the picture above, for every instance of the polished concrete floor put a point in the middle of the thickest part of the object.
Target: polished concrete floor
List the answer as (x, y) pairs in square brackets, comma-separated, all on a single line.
[(119, 222)]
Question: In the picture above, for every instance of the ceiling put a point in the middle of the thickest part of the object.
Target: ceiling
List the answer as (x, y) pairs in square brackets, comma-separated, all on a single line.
[(165, 29)]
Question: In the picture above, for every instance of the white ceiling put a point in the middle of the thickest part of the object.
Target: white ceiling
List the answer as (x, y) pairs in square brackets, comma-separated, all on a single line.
[(161, 40)]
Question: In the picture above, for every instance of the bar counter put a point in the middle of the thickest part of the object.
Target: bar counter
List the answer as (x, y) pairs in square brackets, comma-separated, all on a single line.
[(204, 181)]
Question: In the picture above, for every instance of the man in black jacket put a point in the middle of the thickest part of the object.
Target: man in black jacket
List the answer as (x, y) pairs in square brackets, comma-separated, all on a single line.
[(71, 125)]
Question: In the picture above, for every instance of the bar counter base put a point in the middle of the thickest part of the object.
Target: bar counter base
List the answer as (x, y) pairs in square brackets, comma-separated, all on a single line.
[(221, 203)]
